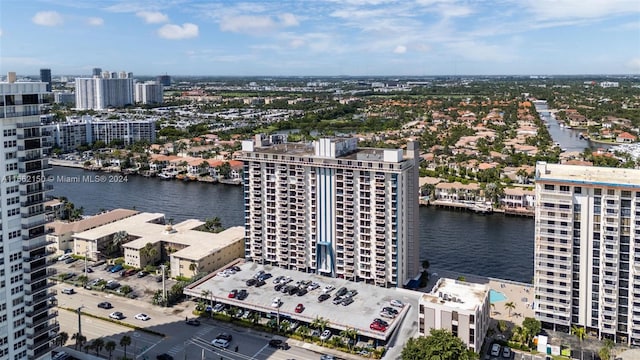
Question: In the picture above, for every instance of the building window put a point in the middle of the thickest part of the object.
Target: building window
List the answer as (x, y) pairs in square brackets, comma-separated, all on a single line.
[(549, 187), (577, 190)]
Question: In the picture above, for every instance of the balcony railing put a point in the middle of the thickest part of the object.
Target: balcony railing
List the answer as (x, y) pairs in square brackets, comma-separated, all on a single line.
[(35, 322)]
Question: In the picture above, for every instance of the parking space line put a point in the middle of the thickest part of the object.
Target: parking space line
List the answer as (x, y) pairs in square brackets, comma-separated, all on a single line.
[(259, 351)]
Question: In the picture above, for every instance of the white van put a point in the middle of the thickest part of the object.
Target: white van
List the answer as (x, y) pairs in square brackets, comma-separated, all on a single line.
[(64, 257), (68, 291)]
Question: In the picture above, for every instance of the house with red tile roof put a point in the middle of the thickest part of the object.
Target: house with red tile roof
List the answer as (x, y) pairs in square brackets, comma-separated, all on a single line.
[(625, 137)]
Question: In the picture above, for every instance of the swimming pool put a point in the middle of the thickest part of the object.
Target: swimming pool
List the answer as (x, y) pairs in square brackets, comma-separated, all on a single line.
[(496, 296)]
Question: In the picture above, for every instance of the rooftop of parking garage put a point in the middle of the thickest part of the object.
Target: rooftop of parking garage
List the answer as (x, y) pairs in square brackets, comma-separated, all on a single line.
[(359, 315)]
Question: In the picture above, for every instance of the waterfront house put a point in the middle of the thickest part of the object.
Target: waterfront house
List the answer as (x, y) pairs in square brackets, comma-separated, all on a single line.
[(457, 192), (518, 198), (625, 137)]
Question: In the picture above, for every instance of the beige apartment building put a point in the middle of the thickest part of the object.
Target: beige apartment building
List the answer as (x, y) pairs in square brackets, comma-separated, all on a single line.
[(331, 208), (146, 239), (459, 307), (587, 250)]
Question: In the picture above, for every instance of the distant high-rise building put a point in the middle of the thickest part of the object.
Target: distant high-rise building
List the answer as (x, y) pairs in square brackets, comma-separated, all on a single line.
[(164, 80), (96, 72), (114, 75), (11, 77), (122, 75), (149, 92), (102, 93), (587, 250), (27, 301), (331, 208), (45, 77), (129, 75)]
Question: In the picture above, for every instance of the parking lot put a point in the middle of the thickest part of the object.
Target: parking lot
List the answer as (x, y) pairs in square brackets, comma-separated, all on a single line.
[(143, 288), (359, 315)]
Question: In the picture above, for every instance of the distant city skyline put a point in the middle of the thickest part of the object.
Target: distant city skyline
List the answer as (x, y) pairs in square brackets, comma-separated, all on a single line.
[(322, 38)]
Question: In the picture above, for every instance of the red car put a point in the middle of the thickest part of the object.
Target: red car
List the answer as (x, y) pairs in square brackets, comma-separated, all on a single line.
[(299, 308), (377, 326), (233, 294)]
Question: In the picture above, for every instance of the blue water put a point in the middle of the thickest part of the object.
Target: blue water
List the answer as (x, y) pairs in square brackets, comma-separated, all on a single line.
[(496, 296)]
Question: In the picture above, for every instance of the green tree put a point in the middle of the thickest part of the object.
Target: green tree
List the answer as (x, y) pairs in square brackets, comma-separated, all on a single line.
[(62, 338), (110, 346), (124, 342), (532, 327), (510, 306), (439, 345), (319, 323), (98, 344), (425, 264), (148, 251), (579, 332), (303, 331), (351, 334), (80, 340)]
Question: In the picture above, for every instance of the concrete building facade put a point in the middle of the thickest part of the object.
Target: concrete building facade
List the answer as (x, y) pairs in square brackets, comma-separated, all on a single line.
[(587, 250), (99, 93), (27, 314), (149, 92), (459, 307), (304, 200)]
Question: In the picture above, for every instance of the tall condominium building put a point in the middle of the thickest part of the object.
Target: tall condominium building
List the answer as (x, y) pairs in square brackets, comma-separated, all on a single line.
[(587, 250), (164, 80), (27, 315), (45, 77), (96, 72), (331, 208), (149, 92), (101, 93)]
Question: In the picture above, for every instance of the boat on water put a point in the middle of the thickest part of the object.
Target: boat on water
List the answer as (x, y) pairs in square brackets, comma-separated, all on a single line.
[(481, 208), (168, 173)]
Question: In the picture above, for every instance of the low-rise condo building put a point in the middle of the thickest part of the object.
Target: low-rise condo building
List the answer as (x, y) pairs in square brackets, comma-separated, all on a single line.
[(459, 307)]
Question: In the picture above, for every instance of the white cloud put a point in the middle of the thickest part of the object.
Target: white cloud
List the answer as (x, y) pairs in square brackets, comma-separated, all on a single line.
[(47, 18), (400, 49), (572, 9), (0, 32), (152, 17), (177, 32), (288, 19), (257, 24), (95, 21)]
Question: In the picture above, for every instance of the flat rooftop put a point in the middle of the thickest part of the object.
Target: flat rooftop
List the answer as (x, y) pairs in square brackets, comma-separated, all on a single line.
[(150, 228), (359, 315), (308, 150), (63, 227), (457, 294), (588, 174)]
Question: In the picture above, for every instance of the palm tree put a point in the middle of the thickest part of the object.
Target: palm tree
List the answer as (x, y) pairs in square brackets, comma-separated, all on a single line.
[(255, 317), (124, 342), (193, 267), (510, 306), (206, 294), (98, 344), (80, 340), (110, 346), (303, 330), (518, 334), (285, 326), (62, 338), (579, 332), (87, 348), (350, 333), (148, 251), (319, 323), (83, 280)]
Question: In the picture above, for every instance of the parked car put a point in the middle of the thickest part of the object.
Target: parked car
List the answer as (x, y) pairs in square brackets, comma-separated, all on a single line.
[(235, 268), (313, 286), (342, 291), (299, 308), (164, 357), (220, 343), (128, 272), (116, 268), (260, 283), (327, 357), (381, 322), (397, 303), (64, 257), (89, 270), (323, 297), (337, 300), (218, 308), (495, 350), (390, 310), (70, 260), (242, 294), (68, 291), (224, 336), (232, 294), (302, 291), (325, 335), (264, 276), (159, 278), (193, 322), (143, 317), (105, 305), (347, 301), (352, 293), (142, 274), (276, 302), (327, 289), (278, 344), (387, 315), (251, 282), (117, 315), (377, 326), (278, 279), (506, 352)]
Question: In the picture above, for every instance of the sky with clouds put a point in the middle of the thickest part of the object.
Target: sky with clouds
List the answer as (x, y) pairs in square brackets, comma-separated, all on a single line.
[(321, 37)]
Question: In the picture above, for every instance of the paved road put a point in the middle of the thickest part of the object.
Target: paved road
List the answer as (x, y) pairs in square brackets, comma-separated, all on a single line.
[(181, 341)]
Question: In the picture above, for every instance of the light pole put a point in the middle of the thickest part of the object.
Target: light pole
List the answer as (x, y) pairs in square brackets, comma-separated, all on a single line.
[(79, 310), (164, 286)]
